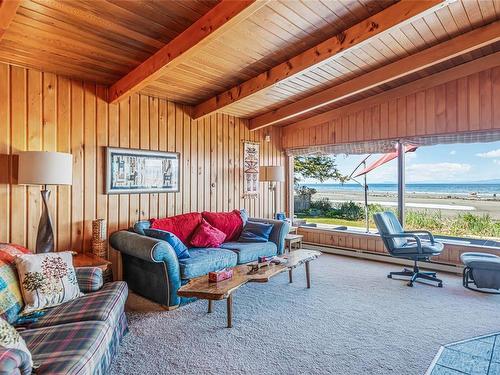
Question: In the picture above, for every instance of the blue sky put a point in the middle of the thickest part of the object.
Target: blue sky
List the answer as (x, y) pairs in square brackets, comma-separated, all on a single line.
[(444, 163)]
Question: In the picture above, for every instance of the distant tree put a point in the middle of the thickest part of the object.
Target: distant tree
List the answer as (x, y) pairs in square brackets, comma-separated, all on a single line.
[(320, 168)]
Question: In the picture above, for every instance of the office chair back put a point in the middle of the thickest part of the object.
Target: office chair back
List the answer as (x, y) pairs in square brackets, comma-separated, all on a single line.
[(388, 223)]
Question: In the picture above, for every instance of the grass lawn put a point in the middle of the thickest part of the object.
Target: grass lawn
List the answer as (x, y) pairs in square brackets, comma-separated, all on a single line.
[(338, 222)]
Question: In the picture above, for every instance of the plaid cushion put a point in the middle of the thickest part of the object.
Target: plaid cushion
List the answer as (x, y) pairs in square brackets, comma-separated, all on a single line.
[(14, 361), (105, 305), (89, 279), (11, 300), (75, 348)]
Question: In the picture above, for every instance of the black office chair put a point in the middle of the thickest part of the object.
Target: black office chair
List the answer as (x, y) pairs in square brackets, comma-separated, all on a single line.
[(397, 244)]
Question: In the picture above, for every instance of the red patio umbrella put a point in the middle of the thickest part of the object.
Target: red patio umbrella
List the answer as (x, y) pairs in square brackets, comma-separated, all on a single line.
[(384, 159)]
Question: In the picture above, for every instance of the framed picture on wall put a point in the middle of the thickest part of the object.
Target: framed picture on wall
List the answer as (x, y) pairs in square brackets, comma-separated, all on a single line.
[(139, 171)]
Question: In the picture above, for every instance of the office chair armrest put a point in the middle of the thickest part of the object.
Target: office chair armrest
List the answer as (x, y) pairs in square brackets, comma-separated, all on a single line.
[(429, 234), (406, 235)]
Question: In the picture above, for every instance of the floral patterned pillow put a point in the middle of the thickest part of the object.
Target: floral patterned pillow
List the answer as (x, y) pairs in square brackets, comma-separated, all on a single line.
[(10, 339), (47, 280)]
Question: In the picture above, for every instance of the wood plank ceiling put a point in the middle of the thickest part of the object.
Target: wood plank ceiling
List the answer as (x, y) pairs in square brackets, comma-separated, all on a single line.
[(102, 41), (98, 41)]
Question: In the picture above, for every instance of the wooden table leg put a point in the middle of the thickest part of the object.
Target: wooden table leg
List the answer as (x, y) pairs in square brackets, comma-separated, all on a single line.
[(290, 275), (308, 276), (230, 311), (210, 306)]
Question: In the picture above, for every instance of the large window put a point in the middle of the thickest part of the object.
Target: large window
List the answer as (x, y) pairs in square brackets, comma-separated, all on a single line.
[(451, 190)]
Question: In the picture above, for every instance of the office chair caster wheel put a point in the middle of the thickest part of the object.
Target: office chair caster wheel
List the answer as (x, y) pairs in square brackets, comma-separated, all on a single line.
[(410, 284)]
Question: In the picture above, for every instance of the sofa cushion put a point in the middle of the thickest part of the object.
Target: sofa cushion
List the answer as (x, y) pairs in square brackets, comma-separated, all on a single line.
[(182, 226), (11, 299), (10, 339), (250, 251), (74, 348), (230, 223), (180, 249), (203, 261), (256, 232), (105, 305), (47, 280), (207, 236)]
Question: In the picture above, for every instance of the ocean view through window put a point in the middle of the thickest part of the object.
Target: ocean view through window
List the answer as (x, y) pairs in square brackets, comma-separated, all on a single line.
[(451, 190)]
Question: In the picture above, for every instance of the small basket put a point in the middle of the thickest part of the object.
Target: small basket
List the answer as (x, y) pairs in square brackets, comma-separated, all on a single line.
[(99, 238)]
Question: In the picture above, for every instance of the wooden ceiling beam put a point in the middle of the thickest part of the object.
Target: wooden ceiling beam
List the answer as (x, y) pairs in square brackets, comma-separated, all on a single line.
[(395, 15), (218, 20), (432, 56), (8, 9), (436, 79)]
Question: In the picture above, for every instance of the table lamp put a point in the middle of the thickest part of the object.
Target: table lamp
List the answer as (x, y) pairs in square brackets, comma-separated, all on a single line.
[(272, 174), (45, 168)]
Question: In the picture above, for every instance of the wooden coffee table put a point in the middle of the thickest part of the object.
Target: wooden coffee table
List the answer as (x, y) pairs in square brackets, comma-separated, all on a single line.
[(201, 288)]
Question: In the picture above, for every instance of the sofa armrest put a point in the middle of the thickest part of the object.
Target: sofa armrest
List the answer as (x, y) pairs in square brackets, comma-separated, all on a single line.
[(143, 247), (150, 250), (89, 279), (14, 361), (280, 230)]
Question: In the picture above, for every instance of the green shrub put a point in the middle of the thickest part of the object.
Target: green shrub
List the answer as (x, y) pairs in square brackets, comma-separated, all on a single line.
[(429, 220), (351, 211), (474, 224), (322, 205)]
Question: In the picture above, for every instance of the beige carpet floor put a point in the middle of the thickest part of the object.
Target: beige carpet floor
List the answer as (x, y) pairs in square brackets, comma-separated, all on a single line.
[(353, 321)]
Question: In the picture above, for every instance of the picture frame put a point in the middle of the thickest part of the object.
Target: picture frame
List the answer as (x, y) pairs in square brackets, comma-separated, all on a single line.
[(133, 171)]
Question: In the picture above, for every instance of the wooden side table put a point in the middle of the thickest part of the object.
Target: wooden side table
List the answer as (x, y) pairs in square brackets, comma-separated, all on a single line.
[(291, 239), (91, 260)]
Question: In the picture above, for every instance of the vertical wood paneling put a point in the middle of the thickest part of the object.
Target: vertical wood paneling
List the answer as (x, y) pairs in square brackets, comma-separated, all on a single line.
[(460, 105), (64, 229), (35, 139), (18, 115), (4, 149), (44, 111)]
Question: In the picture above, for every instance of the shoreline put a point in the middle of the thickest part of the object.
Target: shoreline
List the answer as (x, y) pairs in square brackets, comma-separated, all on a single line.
[(447, 204)]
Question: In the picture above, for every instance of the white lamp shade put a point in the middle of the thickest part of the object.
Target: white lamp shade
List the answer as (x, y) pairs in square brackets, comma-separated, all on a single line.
[(272, 173), (45, 168)]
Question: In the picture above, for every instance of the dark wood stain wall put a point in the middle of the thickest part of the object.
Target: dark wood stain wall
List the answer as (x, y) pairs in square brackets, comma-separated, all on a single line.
[(43, 111)]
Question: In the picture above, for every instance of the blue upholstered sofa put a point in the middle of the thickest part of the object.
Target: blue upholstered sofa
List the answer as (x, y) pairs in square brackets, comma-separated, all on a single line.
[(152, 269)]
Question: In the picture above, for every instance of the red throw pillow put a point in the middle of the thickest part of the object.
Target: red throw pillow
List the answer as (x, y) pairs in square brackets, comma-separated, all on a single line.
[(182, 226), (228, 222), (207, 236), (9, 251)]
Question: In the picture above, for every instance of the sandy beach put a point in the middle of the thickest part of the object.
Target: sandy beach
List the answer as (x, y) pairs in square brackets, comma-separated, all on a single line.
[(449, 205)]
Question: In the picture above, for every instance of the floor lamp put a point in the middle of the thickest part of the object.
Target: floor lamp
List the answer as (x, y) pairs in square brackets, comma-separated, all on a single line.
[(272, 174), (45, 168)]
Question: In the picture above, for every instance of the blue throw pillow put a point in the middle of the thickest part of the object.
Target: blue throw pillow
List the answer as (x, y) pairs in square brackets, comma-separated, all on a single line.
[(244, 216), (256, 232), (180, 249)]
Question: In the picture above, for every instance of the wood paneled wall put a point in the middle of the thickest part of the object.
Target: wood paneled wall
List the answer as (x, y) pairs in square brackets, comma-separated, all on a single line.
[(42, 111), (468, 104)]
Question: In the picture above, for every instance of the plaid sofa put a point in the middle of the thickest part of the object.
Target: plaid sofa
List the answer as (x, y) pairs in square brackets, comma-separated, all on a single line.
[(78, 337)]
